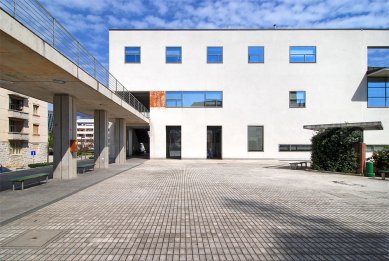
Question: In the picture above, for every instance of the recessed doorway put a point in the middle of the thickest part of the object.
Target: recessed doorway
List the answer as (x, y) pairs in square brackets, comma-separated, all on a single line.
[(173, 142), (214, 142)]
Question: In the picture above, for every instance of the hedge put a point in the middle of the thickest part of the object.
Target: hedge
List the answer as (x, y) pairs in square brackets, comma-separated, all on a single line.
[(334, 149), (37, 165)]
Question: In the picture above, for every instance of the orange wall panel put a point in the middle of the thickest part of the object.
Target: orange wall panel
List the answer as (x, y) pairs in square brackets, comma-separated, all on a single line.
[(157, 99)]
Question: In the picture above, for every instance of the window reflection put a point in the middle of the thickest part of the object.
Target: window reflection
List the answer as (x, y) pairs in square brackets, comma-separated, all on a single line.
[(302, 54), (194, 99)]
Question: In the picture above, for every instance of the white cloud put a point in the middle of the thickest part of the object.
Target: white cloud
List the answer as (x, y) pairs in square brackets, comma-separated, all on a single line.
[(90, 20)]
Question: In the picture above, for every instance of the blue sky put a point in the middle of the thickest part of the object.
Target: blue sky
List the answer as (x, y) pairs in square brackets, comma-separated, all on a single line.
[(90, 20)]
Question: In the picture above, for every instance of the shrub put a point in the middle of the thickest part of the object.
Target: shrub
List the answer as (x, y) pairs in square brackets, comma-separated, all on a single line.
[(334, 149), (37, 165), (381, 159)]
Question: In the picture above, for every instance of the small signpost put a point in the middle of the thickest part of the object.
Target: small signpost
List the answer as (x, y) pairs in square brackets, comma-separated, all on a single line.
[(33, 154)]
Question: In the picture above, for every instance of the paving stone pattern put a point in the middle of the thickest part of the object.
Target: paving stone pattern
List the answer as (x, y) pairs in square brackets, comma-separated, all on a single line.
[(173, 210)]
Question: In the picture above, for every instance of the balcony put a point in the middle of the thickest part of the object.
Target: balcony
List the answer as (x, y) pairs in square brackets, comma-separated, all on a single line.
[(17, 136), (16, 114)]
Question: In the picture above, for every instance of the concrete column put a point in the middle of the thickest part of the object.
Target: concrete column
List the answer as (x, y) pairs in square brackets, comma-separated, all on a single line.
[(101, 139), (120, 141), (65, 162), (129, 149)]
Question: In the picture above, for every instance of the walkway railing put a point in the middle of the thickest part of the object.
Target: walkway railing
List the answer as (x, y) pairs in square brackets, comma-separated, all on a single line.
[(36, 18)]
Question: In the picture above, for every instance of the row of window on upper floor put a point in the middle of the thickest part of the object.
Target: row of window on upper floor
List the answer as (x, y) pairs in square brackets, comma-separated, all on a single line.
[(256, 54), (214, 99)]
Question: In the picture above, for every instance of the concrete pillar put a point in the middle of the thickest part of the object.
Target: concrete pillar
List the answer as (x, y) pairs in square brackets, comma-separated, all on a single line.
[(129, 136), (65, 162), (120, 141), (101, 139)]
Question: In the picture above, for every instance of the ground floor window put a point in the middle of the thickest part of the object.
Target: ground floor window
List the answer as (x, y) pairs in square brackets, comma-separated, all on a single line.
[(295, 147), (16, 147), (255, 138), (371, 148)]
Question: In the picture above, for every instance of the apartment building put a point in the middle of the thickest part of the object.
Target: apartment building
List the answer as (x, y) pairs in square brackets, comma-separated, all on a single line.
[(247, 94), (85, 133), (23, 129)]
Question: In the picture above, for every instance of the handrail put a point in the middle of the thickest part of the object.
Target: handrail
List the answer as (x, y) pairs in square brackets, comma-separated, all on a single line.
[(36, 18)]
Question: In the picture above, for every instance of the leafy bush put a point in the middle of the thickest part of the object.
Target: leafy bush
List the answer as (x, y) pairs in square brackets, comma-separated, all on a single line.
[(334, 149), (381, 159), (37, 165)]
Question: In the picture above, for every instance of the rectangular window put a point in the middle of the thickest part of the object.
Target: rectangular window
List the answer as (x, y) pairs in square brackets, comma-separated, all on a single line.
[(194, 99), (371, 148), (302, 54), (255, 138), (16, 104), (295, 147), (16, 147), (213, 99), (378, 93), (173, 99), (15, 126), (215, 54), (256, 54), (132, 54), (35, 109), (173, 55), (35, 129), (297, 99)]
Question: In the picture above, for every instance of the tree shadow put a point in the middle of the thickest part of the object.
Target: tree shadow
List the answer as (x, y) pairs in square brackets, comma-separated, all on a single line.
[(298, 236)]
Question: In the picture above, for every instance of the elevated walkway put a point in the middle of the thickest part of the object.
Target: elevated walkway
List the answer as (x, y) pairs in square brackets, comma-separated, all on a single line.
[(40, 58)]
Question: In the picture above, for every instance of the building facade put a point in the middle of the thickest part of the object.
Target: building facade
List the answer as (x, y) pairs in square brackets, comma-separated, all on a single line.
[(23, 130), (246, 94), (85, 134)]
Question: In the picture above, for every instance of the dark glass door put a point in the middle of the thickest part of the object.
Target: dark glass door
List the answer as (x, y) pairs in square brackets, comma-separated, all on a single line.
[(214, 142), (173, 142)]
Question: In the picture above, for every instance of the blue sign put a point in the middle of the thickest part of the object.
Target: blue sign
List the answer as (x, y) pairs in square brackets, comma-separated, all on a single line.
[(33, 153)]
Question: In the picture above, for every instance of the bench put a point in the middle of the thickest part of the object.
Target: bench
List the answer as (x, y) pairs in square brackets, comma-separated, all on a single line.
[(295, 165), (84, 167), (29, 177), (383, 172)]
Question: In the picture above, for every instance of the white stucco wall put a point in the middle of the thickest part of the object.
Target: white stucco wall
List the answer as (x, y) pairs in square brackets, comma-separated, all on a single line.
[(253, 94)]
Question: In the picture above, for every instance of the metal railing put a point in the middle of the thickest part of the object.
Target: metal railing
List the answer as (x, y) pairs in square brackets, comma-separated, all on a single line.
[(36, 18)]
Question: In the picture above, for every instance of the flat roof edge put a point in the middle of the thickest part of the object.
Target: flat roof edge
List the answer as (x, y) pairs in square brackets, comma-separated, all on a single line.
[(372, 125), (248, 29)]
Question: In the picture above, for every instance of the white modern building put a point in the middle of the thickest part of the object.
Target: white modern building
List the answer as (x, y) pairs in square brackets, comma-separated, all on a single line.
[(246, 94), (85, 133)]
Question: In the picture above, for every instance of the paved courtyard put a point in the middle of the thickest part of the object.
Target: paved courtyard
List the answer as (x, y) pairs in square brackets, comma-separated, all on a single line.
[(209, 210)]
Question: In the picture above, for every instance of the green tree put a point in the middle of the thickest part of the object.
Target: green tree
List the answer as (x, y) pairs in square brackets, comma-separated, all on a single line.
[(334, 149)]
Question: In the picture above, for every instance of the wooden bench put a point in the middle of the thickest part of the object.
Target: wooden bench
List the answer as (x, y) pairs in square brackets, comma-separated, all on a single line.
[(295, 165), (29, 177), (383, 172), (84, 167)]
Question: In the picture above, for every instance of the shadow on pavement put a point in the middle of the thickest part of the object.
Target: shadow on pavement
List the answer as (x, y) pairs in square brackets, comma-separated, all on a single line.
[(300, 237)]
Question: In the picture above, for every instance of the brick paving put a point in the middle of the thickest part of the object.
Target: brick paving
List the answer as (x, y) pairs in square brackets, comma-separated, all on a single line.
[(218, 210)]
